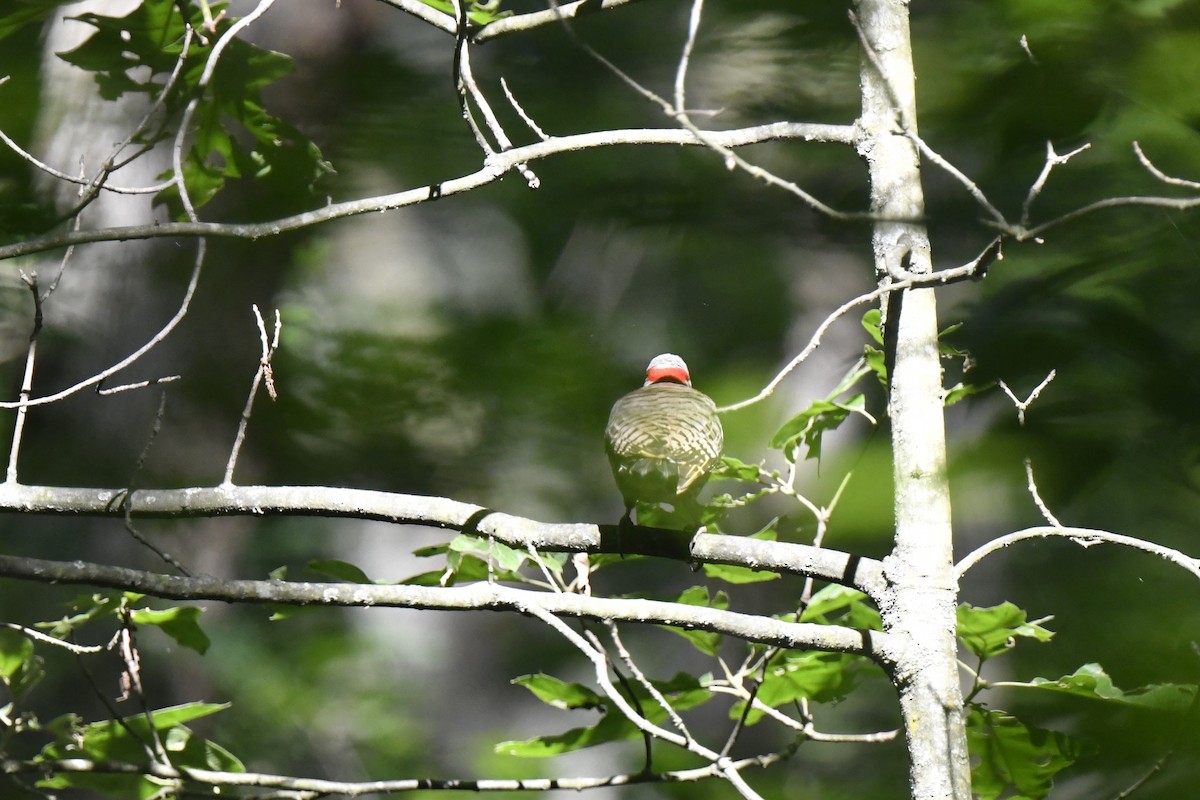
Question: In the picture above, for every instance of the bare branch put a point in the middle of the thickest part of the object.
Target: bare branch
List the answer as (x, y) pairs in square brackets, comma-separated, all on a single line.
[(1162, 176), (1037, 497), (494, 168), (67, 177), (162, 334), (1178, 204), (14, 451), (1053, 160), (941, 277), (1023, 405), (528, 120), (38, 636), (524, 22), (634, 670), (908, 127), (426, 13), (686, 57), (865, 574), (466, 86), (1084, 537), (314, 788), (264, 374), (471, 597)]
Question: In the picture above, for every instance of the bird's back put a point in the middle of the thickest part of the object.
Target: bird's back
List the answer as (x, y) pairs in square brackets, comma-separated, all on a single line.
[(664, 422)]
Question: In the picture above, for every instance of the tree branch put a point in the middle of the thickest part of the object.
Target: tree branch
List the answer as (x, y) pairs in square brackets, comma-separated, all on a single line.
[(1084, 537), (311, 788), (495, 167), (864, 574), (473, 597)]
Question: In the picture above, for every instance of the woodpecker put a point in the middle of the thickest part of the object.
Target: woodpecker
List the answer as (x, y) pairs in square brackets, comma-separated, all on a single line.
[(663, 439)]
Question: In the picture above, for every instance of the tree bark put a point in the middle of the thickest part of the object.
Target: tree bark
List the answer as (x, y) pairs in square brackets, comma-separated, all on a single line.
[(920, 607)]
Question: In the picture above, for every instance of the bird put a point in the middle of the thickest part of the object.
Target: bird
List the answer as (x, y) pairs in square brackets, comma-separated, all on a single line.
[(663, 440)]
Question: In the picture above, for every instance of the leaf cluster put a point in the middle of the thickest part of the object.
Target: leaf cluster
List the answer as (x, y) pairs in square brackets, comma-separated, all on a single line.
[(156, 52)]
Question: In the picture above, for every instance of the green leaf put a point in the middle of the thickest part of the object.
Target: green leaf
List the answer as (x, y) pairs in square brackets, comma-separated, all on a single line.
[(557, 693), (706, 642), (729, 468), (20, 668), (85, 608), (1091, 682), (961, 391), (15, 650), (124, 740), (1014, 760), (431, 578), (27, 12), (811, 424), (498, 553), (837, 604), (341, 570), (478, 13), (732, 573), (232, 134), (791, 676), (877, 362), (872, 322), (682, 693), (181, 624), (989, 631)]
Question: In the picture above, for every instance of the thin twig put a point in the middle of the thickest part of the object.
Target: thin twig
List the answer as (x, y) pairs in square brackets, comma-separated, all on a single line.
[(941, 277), (1053, 160), (315, 788), (1037, 498), (495, 167), (465, 85), (640, 677), (131, 681), (263, 374), (1085, 537), (77, 649), (1023, 405), (153, 342), (686, 57), (1162, 176), (26, 380), (909, 128), (130, 528), (528, 120)]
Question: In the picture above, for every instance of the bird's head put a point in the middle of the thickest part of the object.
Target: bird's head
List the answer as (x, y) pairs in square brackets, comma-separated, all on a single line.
[(667, 367)]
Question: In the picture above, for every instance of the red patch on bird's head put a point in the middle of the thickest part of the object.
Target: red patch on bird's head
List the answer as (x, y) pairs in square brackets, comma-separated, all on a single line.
[(669, 373)]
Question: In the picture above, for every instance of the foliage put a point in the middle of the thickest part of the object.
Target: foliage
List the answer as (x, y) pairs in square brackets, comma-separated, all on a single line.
[(147, 52), (506, 397)]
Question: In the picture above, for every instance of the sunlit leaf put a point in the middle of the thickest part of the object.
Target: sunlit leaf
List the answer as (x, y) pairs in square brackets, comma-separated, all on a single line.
[(681, 692), (732, 573), (735, 469), (1012, 759), (989, 631), (1091, 682), (560, 694), (341, 570), (791, 676), (844, 606), (125, 741), (811, 424), (182, 624), (15, 650)]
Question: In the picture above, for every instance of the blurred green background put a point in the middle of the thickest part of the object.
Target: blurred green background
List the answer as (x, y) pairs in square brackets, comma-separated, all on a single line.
[(472, 348)]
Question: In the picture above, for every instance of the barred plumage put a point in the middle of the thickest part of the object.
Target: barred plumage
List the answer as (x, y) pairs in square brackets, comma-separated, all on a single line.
[(664, 438)]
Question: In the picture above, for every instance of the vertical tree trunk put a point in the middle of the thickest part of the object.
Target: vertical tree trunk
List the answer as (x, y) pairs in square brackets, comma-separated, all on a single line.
[(921, 607)]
